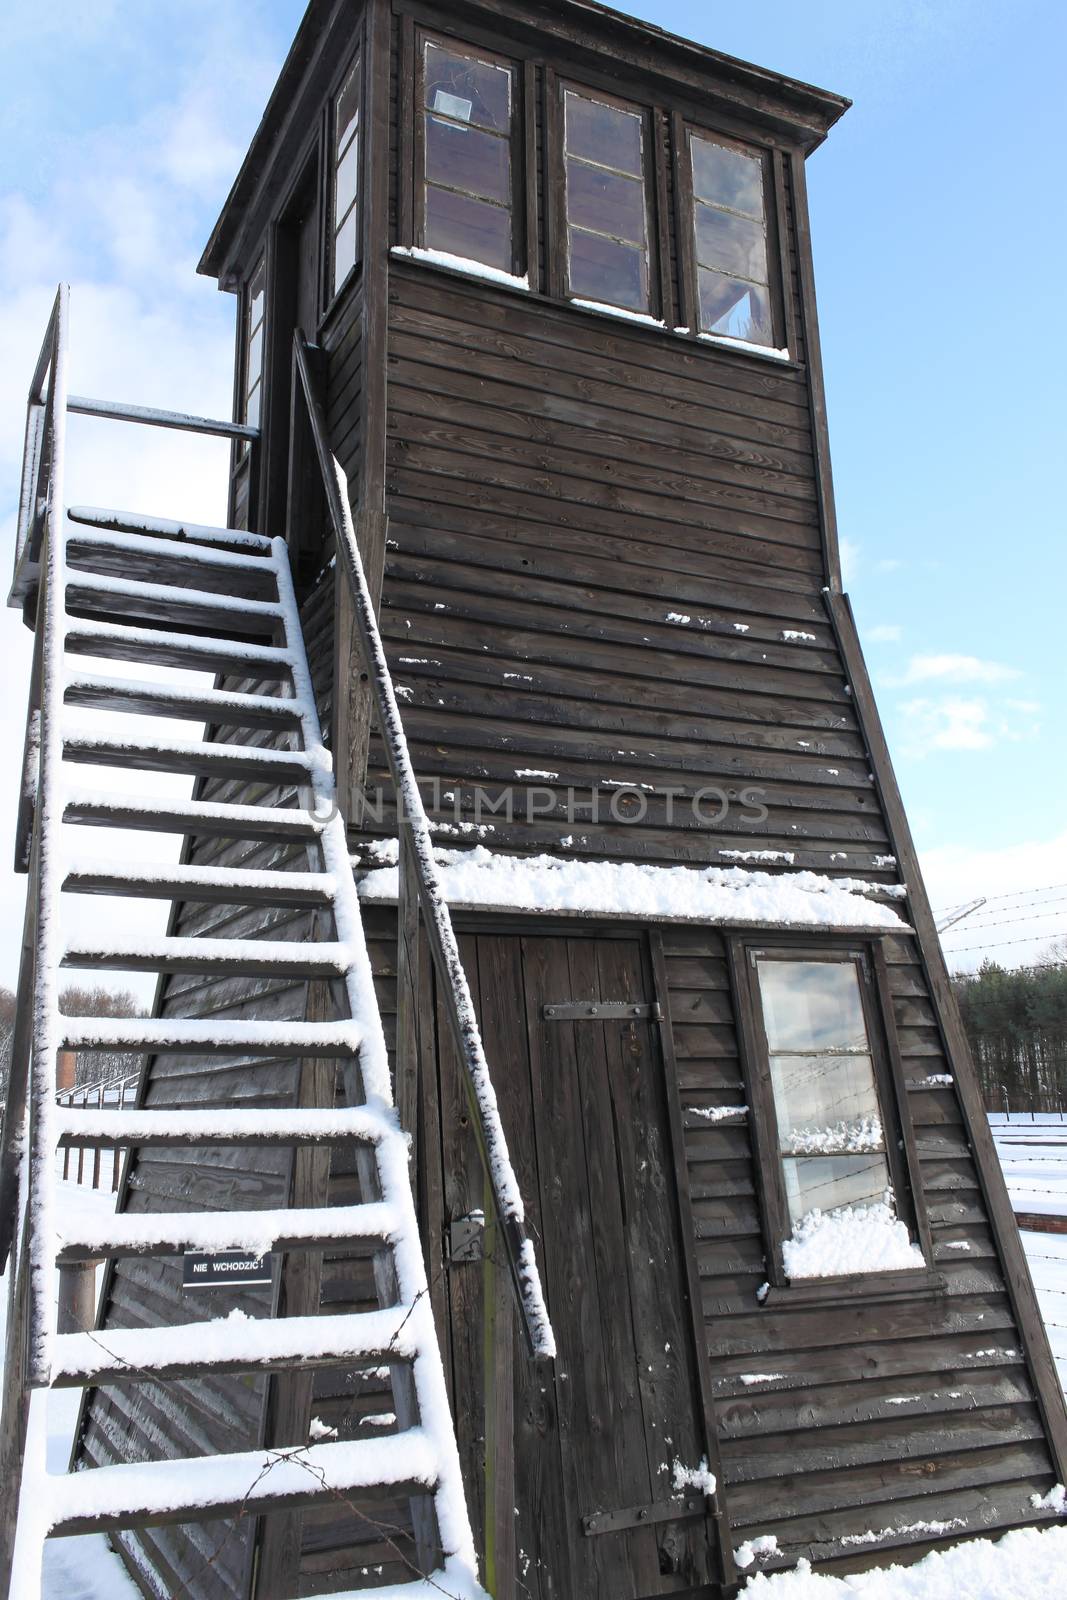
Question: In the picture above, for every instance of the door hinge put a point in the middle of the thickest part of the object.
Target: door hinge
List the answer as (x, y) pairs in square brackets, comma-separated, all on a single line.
[(602, 1011), (690, 1505)]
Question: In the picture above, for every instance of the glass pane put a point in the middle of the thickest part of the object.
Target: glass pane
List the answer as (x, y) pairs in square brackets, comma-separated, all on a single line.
[(346, 179), (604, 134), (600, 269), (344, 249), (252, 406), (812, 1005), (606, 202), (829, 1182), (348, 109), (727, 177), (255, 358), (255, 300), (466, 158), (826, 1103), (733, 244), (471, 228), (468, 89), (733, 308)]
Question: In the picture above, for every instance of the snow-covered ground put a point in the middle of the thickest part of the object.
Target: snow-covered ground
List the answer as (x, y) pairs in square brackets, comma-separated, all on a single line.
[(1033, 1154), (1025, 1565), (1028, 1564)]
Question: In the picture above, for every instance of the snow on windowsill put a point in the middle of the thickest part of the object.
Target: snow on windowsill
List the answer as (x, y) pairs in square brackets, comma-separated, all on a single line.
[(473, 269), (721, 895), (852, 1239), (726, 343), (620, 311)]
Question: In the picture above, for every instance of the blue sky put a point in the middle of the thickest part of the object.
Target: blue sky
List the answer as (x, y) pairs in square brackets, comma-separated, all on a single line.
[(939, 240)]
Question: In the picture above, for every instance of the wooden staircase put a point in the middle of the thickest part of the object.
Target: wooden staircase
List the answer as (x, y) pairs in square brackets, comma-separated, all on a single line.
[(109, 587)]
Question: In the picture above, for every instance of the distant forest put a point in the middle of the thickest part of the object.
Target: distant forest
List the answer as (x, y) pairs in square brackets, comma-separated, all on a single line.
[(1016, 1021)]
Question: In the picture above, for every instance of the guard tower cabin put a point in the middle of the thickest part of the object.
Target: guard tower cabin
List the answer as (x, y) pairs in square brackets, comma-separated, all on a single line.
[(539, 278)]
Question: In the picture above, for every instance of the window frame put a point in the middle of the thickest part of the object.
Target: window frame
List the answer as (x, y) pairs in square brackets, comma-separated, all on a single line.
[(247, 335), (900, 1148), (783, 329), (335, 289), (516, 140), (558, 221)]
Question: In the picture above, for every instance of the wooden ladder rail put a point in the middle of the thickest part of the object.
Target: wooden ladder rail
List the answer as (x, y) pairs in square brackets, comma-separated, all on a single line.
[(417, 868)]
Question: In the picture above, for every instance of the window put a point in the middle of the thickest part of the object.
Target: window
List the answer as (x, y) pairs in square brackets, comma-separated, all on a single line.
[(254, 312), (346, 178), (467, 125), (607, 203), (825, 1118), (730, 240)]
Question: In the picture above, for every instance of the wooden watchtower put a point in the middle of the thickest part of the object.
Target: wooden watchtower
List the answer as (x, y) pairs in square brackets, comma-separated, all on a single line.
[(528, 381)]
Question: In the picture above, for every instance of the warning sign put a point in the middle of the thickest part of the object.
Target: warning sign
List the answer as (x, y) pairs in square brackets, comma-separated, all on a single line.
[(229, 1266)]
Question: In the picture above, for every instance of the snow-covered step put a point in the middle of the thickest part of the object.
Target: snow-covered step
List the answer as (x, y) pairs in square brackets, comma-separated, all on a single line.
[(181, 1036), (252, 1481), (98, 692), (100, 810), (118, 641), (214, 885), (169, 603), (160, 547), (234, 1344), (161, 527), (214, 759), (246, 958), (84, 1237), (115, 1129)]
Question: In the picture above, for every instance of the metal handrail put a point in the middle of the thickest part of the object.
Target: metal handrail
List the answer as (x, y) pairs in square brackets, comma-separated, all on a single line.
[(417, 858)]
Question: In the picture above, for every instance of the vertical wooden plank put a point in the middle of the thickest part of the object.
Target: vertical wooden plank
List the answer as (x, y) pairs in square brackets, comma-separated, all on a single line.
[(529, 170), (527, 1562), (824, 478), (727, 1572), (652, 1267), (783, 247), (464, 1193), (762, 1120), (683, 208), (405, 134), (555, 222), (663, 217)]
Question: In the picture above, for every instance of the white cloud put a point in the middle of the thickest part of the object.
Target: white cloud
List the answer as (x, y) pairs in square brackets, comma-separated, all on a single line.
[(948, 668), (883, 633), (887, 564), (947, 725), (850, 560), (964, 722)]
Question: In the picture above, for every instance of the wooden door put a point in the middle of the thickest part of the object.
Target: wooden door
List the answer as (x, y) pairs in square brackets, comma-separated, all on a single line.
[(572, 1469)]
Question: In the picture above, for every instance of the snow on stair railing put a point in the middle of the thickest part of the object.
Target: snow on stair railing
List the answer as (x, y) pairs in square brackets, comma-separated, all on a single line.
[(417, 858)]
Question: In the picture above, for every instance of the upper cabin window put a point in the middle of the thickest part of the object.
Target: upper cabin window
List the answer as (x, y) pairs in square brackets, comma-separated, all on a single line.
[(730, 240), (467, 122), (830, 1118), (346, 178), (607, 202), (254, 312)]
